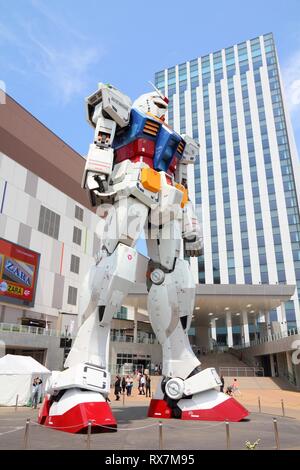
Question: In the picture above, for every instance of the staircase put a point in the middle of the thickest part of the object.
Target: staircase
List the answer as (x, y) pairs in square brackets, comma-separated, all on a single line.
[(220, 359)]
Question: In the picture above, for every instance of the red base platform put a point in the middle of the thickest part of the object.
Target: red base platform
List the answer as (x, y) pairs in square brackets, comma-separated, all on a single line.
[(229, 410), (76, 419)]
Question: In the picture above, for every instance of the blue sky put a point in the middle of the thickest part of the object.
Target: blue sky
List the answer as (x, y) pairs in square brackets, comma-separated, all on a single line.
[(53, 53)]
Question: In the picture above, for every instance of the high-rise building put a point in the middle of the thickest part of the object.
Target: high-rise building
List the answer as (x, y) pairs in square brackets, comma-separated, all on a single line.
[(247, 178)]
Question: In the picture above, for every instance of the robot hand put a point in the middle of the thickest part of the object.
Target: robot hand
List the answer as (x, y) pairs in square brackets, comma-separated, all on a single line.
[(192, 232), (193, 247)]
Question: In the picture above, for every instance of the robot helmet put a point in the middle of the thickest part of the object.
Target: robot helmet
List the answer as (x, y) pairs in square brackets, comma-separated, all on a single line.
[(154, 103)]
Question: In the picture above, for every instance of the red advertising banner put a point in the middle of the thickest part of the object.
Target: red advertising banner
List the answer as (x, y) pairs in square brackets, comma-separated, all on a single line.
[(18, 273)]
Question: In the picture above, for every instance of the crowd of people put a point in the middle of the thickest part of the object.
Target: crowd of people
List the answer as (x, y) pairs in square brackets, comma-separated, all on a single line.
[(125, 385)]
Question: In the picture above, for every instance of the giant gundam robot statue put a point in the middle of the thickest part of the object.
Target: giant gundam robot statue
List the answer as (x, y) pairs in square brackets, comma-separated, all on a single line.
[(136, 175)]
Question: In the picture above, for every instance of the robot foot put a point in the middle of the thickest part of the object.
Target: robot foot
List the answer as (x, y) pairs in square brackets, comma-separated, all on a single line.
[(72, 409), (209, 405)]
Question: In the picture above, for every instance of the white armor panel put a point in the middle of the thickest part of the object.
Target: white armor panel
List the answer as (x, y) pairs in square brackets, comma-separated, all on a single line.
[(169, 206), (191, 150), (107, 284), (87, 376), (167, 303), (124, 222), (115, 103)]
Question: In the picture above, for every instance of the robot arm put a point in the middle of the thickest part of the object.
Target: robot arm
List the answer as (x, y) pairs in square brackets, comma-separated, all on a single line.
[(106, 109), (192, 232)]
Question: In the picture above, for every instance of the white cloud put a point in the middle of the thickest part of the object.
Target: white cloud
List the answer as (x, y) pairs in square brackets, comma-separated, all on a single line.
[(66, 69), (63, 59), (291, 78)]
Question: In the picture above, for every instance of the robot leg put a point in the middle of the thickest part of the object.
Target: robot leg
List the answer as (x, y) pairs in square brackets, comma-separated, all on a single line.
[(185, 392), (80, 392)]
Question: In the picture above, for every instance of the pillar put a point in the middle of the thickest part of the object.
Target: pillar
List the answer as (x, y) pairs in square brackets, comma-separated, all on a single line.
[(245, 328), (273, 374), (282, 319), (135, 326), (268, 323), (261, 317), (256, 327), (289, 363), (229, 330), (213, 330)]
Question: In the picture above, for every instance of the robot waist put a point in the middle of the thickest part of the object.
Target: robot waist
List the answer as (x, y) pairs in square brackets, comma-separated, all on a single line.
[(149, 162), (141, 150)]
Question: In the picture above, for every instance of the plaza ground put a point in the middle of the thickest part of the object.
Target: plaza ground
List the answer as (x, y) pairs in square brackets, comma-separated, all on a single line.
[(136, 431)]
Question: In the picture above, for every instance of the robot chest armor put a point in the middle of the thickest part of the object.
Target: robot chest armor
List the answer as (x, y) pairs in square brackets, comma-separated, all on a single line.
[(147, 139)]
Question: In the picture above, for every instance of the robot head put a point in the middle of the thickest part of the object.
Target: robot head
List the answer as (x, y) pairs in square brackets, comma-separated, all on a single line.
[(154, 103)]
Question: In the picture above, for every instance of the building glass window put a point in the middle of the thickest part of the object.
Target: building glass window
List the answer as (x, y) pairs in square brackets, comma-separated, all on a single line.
[(77, 233), (122, 314), (49, 222), (79, 213), (75, 262), (72, 295)]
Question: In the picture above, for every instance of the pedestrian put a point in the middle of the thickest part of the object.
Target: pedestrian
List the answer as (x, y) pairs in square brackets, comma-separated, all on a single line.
[(142, 385), (36, 392), (222, 384), (118, 387), (156, 369), (148, 386), (128, 386), (229, 391), (123, 384), (235, 387), (131, 385), (159, 369)]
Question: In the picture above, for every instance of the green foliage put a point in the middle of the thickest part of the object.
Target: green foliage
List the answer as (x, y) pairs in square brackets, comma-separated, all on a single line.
[(250, 446)]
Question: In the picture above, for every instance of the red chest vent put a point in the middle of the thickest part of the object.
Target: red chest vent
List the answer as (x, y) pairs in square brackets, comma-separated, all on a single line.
[(136, 149)]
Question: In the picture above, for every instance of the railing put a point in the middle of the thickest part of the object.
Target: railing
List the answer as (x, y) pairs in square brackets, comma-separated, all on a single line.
[(34, 330), (268, 338), (129, 339), (241, 371), (127, 369)]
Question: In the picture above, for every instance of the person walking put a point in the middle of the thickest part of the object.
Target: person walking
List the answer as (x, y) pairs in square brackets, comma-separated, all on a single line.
[(142, 385), (131, 385), (222, 384), (128, 385), (235, 387), (36, 392), (118, 387), (148, 386), (123, 384)]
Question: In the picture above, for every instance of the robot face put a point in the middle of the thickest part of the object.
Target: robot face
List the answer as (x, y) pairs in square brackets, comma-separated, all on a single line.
[(152, 103)]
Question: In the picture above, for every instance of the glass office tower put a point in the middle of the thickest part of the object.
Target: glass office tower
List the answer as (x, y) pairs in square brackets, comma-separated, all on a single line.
[(247, 178)]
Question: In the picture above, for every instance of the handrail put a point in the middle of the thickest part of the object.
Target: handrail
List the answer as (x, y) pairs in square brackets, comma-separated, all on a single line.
[(130, 339), (241, 371), (35, 330), (268, 338)]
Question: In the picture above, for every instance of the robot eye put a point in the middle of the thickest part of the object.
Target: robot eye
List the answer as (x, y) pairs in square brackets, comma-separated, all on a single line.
[(160, 105)]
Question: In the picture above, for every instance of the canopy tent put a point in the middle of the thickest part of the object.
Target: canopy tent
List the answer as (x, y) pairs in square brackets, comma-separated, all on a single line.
[(16, 377)]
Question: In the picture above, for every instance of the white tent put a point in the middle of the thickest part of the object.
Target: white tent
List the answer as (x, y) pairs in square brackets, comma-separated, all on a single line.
[(16, 377)]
